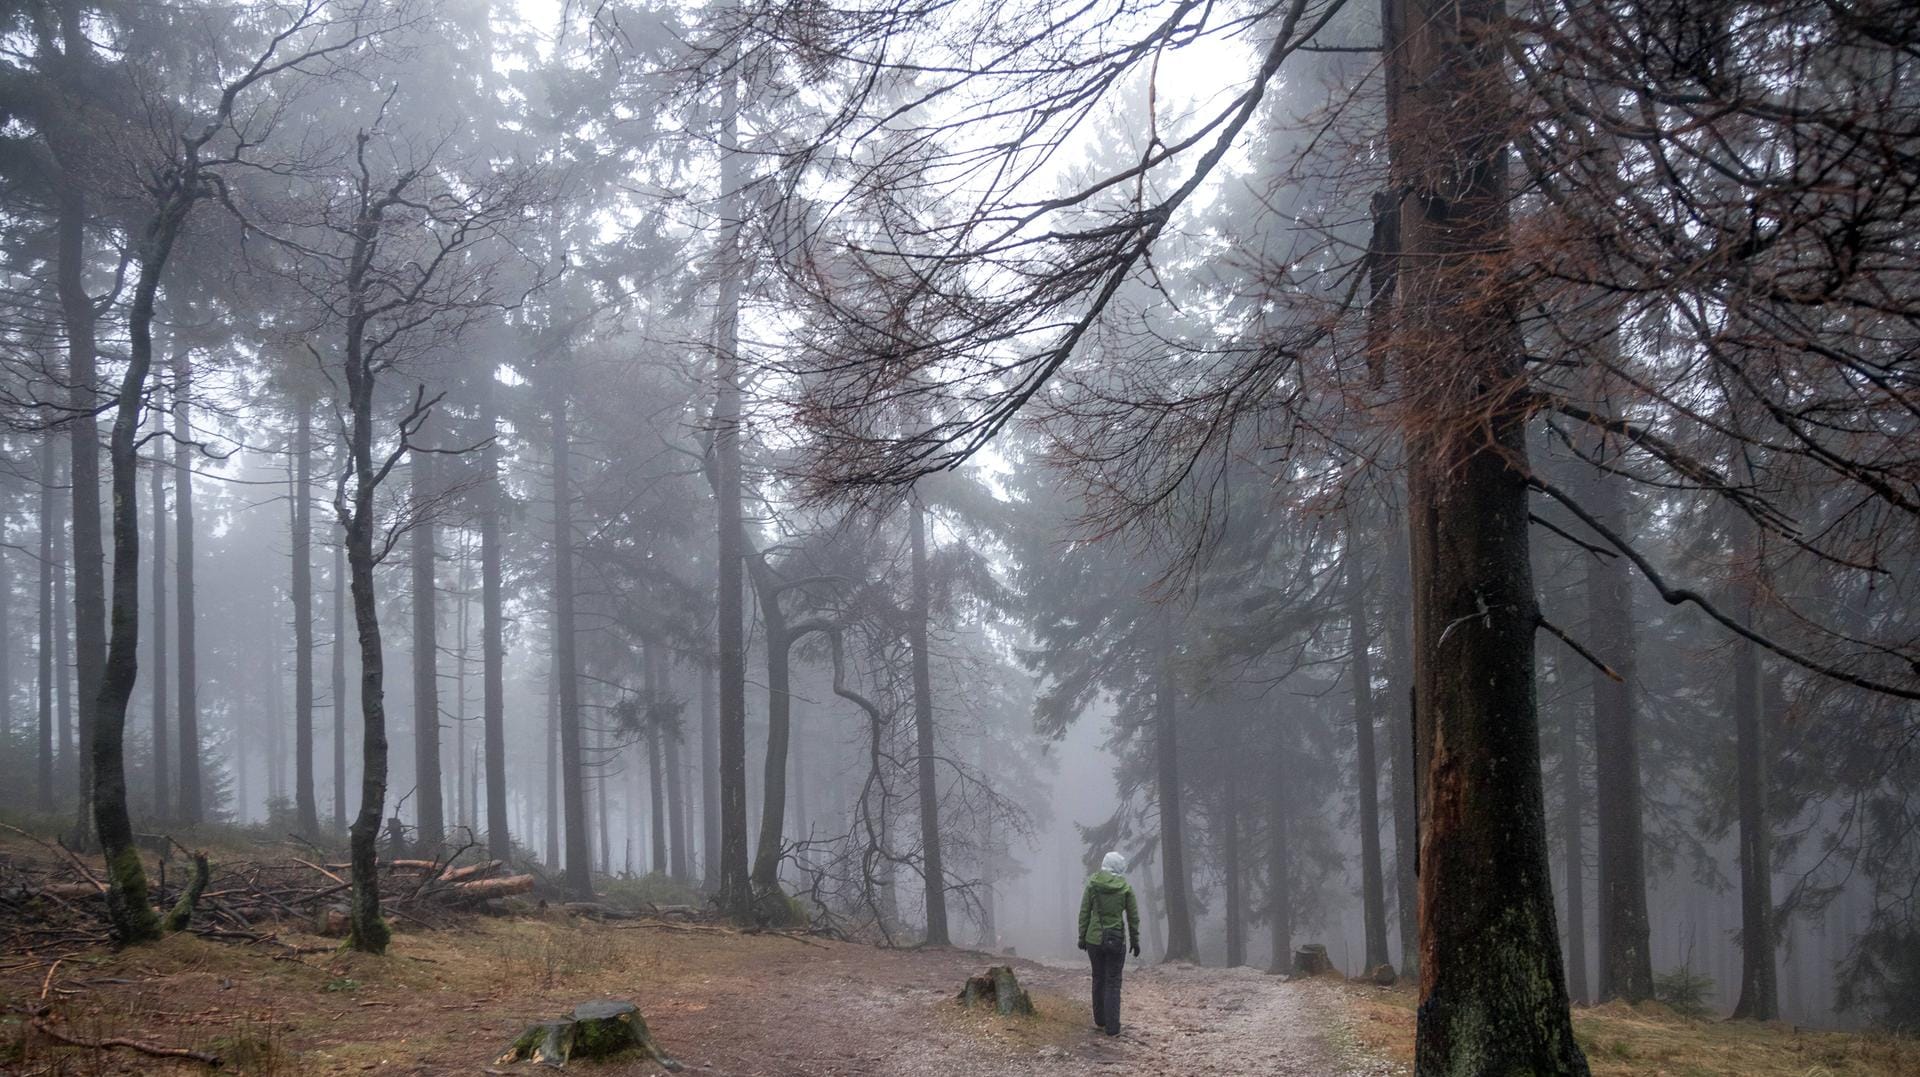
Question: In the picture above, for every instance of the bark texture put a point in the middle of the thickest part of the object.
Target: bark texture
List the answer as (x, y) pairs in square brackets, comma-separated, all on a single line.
[(1493, 997)]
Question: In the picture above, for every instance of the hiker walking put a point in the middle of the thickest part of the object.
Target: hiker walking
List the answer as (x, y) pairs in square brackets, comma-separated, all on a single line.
[(1109, 927)]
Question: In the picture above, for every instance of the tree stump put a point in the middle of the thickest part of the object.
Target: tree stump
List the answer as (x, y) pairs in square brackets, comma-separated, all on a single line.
[(1000, 986), (1383, 975), (1311, 960), (607, 1028)]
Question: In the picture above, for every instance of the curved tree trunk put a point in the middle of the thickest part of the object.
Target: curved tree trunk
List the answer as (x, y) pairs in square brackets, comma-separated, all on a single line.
[(128, 907)]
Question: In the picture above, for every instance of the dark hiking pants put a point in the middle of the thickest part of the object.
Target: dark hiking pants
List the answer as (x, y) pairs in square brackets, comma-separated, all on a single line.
[(1106, 988)]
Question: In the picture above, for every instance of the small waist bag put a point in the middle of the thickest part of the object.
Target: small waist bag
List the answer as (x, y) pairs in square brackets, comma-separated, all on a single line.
[(1113, 941)]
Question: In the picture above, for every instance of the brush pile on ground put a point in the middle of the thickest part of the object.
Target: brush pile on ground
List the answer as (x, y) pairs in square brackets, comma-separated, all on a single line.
[(55, 905)]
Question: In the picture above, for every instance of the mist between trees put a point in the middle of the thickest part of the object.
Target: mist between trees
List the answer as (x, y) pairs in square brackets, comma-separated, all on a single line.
[(860, 464)]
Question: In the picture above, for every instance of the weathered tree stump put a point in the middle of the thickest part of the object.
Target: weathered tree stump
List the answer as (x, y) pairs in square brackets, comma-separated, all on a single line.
[(1000, 986), (1311, 960), (607, 1028), (1383, 975)]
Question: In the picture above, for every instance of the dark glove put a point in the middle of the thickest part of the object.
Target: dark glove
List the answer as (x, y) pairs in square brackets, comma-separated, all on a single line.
[(1082, 944), (1136, 949)]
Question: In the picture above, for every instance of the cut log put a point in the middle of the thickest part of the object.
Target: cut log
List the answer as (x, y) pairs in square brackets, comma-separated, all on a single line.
[(1384, 975), (1311, 960), (480, 889), (608, 1028), (999, 987)]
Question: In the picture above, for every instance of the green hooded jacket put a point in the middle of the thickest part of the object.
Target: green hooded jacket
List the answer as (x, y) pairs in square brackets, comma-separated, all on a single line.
[(1106, 900)]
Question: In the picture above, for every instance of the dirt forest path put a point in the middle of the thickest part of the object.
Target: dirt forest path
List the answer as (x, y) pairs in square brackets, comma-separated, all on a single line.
[(856, 1010), (725, 1003)]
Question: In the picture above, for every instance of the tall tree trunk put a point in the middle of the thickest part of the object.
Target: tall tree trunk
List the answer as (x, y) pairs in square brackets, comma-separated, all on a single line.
[(736, 886), (49, 568), (1573, 858), (193, 798), (429, 796), (162, 769), (656, 778), (66, 758), (493, 651), (601, 829), (1493, 991), (128, 908), (1400, 763), (1233, 876), (89, 555), (553, 762), (773, 790), (1173, 853), (579, 850), (339, 657), (676, 792), (1759, 998), (936, 878), (1373, 898), (1626, 954), (1279, 871), (709, 783), (303, 797)]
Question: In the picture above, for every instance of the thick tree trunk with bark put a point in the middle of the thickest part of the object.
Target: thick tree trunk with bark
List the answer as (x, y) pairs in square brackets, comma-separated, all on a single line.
[(736, 886), (579, 848), (304, 802), (193, 800), (429, 797), (161, 770), (493, 651), (1626, 954), (1173, 850), (928, 772), (1373, 895), (1492, 989)]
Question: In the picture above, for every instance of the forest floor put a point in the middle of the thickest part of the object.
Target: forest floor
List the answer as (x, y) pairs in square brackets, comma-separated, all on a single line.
[(723, 1003), (733, 1004)]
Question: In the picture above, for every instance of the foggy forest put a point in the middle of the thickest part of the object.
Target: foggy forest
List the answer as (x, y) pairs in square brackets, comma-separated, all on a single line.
[(710, 531)]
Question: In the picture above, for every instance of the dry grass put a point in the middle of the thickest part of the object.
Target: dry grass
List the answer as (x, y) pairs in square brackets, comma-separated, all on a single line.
[(1653, 1041)]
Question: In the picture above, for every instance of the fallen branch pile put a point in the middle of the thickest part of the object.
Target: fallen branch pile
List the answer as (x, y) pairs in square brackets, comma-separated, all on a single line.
[(57, 906)]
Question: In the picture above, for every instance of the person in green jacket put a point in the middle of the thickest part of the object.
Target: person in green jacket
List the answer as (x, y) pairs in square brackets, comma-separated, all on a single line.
[(1109, 927)]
